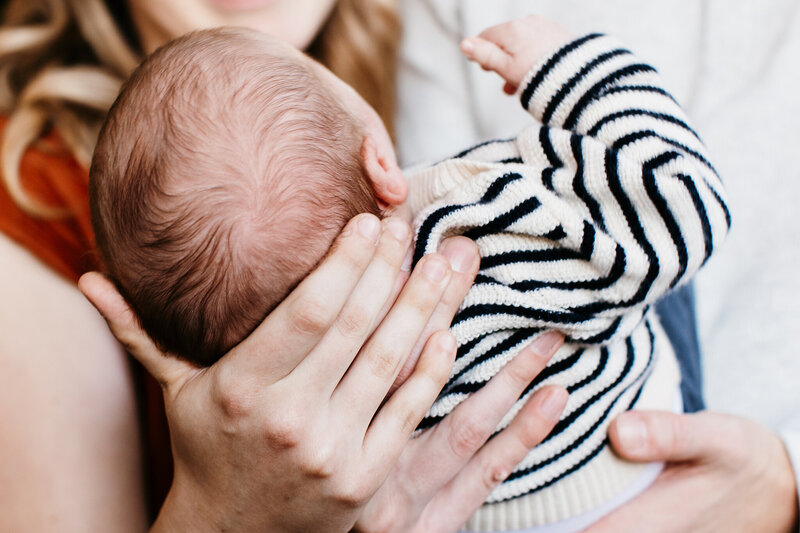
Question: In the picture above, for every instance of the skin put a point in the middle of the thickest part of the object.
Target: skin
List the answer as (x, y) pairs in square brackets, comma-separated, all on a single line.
[(71, 459), (296, 22), (218, 416), (328, 443), (243, 435), (344, 460), (723, 473)]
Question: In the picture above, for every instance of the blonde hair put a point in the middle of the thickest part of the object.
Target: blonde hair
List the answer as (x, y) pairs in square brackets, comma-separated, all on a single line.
[(62, 63)]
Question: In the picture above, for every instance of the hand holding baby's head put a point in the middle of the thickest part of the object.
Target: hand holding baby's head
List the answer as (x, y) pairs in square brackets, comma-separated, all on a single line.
[(223, 173)]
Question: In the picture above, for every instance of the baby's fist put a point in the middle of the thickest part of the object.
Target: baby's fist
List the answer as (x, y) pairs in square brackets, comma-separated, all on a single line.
[(512, 48)]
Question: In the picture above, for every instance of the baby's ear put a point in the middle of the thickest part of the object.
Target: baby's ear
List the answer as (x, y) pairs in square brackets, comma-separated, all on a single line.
[(388, 181)]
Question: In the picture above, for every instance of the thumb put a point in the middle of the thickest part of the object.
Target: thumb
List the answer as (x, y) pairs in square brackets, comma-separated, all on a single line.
[(122, 322), (645, 436)]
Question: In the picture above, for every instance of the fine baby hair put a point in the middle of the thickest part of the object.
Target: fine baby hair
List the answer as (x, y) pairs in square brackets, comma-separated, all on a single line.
[(222, 174)]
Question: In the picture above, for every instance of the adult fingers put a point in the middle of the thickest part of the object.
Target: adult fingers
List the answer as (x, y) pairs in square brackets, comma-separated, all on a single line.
[(293, 328), (122, 322), (401, 414), (498, 457), (334, 354), (445, 449), (646, 436), (367, 381), (462, 254)]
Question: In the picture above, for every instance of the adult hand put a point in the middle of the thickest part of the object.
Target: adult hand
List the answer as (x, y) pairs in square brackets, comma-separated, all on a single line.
[(443, 476), (723, 473), (289, 430)]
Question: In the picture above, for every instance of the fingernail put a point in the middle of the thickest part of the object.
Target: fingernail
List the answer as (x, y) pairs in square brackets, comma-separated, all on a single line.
[(545, 344), (467, 46), (434, 269), (406, 266), (447, 343), (553, 404), (397, 228), (369, 227), (632, 432), (460, 256)]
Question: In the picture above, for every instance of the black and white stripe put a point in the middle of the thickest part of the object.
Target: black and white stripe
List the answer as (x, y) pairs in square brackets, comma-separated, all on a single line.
[(583, 221)]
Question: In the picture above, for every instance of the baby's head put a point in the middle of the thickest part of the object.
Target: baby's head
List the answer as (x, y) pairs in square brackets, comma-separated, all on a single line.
[(224, 171)]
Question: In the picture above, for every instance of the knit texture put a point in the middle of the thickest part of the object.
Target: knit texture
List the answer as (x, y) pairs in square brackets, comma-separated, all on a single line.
[(582, 221)]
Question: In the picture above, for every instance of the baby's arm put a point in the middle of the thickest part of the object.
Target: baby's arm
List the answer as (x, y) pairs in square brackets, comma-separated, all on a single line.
[(626, 176)]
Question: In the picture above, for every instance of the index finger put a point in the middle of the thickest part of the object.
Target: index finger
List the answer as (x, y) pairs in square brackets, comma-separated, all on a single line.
[(447, 447), (124, 325), (293, 328)]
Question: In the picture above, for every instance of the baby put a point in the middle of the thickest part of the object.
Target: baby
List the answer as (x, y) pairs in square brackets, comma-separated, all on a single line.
[(230, 162)]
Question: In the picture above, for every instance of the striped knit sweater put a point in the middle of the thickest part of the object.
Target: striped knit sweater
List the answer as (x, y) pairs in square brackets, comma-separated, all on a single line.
[(584, 220)]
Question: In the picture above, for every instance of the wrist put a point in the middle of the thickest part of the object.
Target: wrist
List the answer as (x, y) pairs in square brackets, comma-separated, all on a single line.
[(186, 510)]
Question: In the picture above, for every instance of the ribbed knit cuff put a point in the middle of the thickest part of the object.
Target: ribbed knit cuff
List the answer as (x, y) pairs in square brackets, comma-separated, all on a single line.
[(556, 90)]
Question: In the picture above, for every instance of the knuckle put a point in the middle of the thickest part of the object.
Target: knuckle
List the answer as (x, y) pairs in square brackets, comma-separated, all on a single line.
[(311, 317), (390, 253), (355, 254), (678, 432), (436, 367), (353, 322), (409, 417), (318, 462), (236, 397), (383, 361), (466, 436), (517, 375), (352, 494), (284, 431), (422, 299), (496, 58)]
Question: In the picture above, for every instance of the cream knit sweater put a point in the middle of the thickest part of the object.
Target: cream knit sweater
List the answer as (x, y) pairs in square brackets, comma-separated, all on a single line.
[(583, 220)]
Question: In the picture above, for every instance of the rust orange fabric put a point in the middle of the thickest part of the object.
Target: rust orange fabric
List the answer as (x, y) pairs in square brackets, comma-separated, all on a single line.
[(51, 175)]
